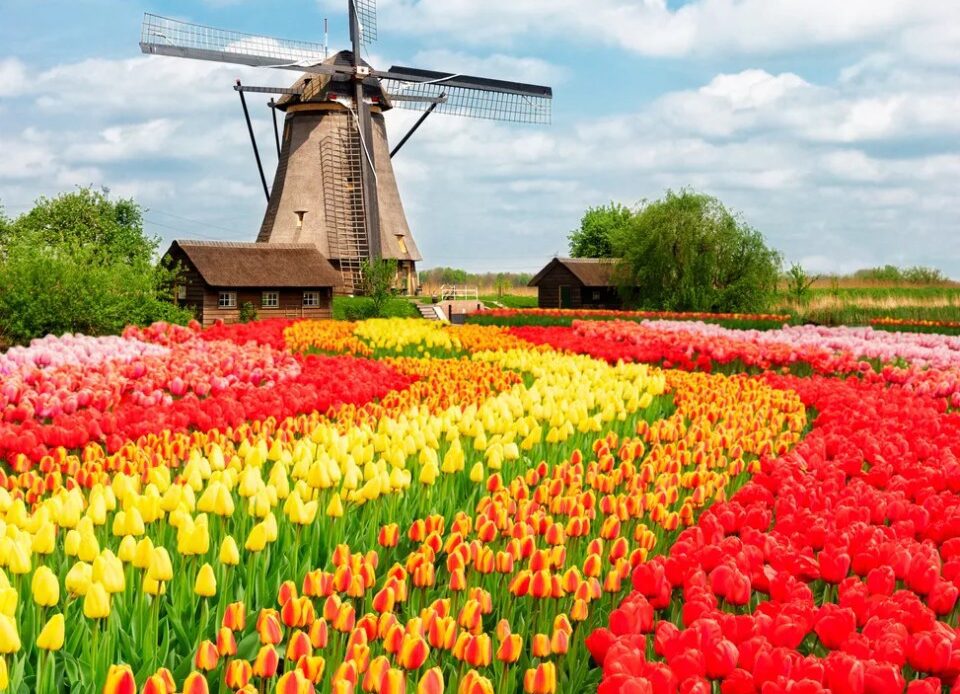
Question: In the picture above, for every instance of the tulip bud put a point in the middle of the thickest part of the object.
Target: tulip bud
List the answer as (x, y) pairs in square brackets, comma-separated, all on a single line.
[(207, 656), (510, 648), (9, 638), (45, 587), (266, 662), (51, 636), (195, 684), (206, 583), (238, 674), (229, 553), (120, 680), (96, 603), (431, 682), (235, 616), (335, 507)]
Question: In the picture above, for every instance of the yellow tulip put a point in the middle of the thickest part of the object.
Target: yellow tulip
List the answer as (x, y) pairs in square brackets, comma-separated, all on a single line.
[(9, 638), (160, 567), (4, 677), (127, 550), (18, 558), (152, 586), (429, 473), (8, 601), (206, 583), (96, 603), (79, 578), (144, 554), (257, 539), (229, 553), (335, 507), (476, 473), (51, 636), (108, 571), (45, 539), (45, 587)]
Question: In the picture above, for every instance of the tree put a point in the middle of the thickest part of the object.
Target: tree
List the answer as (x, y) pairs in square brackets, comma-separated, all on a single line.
[(378, 278), (799, 283), (597, 227), (687, 252), (81, 263)]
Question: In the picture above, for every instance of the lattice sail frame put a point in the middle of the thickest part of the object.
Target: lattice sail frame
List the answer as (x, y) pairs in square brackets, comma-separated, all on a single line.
[(473, 97), (164, 36), (367, 14)]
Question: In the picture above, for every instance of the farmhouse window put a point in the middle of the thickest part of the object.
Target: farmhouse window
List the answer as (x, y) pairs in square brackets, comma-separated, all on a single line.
[(227, 300), (596, 295), (270, 300), (311, 299), (182, 291)]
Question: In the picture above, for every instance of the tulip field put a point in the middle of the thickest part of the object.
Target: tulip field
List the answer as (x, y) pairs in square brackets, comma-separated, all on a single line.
[(643, 506)]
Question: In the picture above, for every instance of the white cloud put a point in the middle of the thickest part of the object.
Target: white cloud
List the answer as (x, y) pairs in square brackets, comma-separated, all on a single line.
[(650, 27), (13, 77), (496, 66)]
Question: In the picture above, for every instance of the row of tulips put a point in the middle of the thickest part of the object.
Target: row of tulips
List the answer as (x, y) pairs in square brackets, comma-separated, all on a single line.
[(608, 314), (81, 396), (926, 364), (449, 536)]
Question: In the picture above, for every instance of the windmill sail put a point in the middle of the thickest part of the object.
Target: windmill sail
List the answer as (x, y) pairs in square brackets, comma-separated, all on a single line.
[(367, 13), (463, 95), (164, 36)]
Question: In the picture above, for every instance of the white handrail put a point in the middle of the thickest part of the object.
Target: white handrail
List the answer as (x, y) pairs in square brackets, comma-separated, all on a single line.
[(453, 293)]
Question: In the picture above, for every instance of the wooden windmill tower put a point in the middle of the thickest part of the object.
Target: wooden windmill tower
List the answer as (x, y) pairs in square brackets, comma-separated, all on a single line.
[(335, 186)]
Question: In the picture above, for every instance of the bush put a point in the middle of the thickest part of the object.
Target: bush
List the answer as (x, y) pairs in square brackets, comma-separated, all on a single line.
[(598, 227), (80, 262), (248, 312), (687, 252)]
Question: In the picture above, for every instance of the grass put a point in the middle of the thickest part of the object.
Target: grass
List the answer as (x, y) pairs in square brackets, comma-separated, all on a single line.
[(510, 300)]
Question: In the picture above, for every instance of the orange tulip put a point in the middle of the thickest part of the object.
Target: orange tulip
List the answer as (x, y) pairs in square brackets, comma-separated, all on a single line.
[(268, 627), (287, 591), (235, 616), (120, 680), (238, 673), (431, 682), (226, 642), (540, 646), (413, 652), (294, 682), (207, 656), (542, 680), (319, 634), (510, 648), (389, 535), (384, 600), (393, 682), (373, 677), (156, 684), (195, 684), (312, 667), (266, 663), (475, 683), (298, 646)]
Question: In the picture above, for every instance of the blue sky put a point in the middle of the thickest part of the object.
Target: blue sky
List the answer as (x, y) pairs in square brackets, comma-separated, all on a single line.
[(832, 126)]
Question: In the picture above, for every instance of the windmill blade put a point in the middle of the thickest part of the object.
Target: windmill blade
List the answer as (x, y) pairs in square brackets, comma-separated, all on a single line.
[(462, 95), (367, 14), (164, 36)]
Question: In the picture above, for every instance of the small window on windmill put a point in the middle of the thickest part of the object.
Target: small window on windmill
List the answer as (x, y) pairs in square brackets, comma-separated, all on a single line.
[(300, 214), (401, 243)]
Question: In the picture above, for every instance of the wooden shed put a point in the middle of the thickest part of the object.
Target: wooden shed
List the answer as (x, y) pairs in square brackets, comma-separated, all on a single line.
[(577, 283), (279, 280)]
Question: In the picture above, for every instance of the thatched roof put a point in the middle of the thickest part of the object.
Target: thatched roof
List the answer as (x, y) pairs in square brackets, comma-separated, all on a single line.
[(234, 264), (592, 272)]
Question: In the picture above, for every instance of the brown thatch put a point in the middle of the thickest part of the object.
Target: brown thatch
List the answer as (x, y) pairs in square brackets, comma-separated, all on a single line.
[(233, 264), (592, 272)]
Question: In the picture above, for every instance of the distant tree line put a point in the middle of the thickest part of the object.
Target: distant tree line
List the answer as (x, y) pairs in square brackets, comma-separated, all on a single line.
[(438, 276), (80, 262)]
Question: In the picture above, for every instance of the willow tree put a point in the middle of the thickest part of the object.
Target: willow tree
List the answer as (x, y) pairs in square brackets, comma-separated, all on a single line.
[(687, 252)]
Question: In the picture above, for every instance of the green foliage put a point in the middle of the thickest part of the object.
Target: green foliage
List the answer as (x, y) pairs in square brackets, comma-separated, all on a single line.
[(379, 277), (248, 312), (80, 263), (361, 307), (438, 276), (799, 283), (687, 252), (510, 300), (598, 227)]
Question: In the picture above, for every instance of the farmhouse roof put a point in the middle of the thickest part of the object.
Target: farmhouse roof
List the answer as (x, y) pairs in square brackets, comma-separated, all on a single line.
[(592, 272), (235, 264)]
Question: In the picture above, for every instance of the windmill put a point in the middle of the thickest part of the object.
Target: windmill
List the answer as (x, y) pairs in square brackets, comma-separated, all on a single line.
[(335, 186)]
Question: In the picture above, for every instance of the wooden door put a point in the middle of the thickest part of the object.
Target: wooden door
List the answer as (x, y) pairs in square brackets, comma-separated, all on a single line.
[(566, 299)]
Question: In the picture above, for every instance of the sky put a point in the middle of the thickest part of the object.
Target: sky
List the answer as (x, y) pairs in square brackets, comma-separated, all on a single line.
[(832, 126)]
